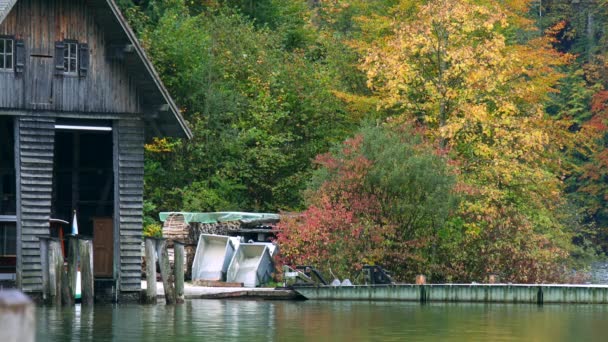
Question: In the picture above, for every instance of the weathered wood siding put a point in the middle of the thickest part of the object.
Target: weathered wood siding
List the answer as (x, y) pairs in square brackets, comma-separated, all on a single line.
[(107, 88), (36, 138), (129, 207)]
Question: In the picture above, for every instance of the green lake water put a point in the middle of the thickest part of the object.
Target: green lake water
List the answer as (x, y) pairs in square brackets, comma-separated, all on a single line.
[(231, 320)]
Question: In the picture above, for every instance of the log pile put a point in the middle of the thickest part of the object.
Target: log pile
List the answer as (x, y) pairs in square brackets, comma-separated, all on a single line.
[(175, 228)]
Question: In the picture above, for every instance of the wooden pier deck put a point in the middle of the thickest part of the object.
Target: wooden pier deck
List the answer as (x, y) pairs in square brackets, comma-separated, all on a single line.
[(483, 293)]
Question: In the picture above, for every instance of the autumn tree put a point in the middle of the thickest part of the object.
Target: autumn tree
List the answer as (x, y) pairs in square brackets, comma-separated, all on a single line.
[(451, 68), (381, 197)]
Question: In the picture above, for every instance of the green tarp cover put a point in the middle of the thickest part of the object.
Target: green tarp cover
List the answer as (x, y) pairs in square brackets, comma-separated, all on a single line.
[(220, 217)]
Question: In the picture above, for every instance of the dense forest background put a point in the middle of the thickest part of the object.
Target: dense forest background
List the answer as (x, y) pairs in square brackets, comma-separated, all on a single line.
[(453, 138)]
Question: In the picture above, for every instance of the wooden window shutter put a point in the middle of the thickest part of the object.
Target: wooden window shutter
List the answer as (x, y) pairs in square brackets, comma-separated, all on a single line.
[(83, 57), (19, 56), (59, 58)]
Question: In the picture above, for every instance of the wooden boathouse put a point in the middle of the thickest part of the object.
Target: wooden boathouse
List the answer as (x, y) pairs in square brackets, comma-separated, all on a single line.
[(78, 99)]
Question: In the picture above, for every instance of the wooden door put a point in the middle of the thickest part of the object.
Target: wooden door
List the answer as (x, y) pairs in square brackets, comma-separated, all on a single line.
[(103, 246), (39, 70), (39, 89)]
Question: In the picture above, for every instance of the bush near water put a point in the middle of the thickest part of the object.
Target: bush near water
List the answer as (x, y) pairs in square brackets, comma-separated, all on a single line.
[(486, 152)]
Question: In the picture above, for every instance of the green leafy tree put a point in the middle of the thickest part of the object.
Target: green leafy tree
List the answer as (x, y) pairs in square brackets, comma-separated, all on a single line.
[(259, 111)]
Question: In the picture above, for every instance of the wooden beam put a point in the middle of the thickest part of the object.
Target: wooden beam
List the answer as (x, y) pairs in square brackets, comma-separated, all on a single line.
[(71, 115)]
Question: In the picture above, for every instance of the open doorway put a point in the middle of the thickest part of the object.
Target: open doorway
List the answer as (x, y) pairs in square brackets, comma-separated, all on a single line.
[(84, 183), (8, 200)]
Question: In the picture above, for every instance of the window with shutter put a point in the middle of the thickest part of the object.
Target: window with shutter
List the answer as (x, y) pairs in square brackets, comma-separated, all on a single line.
[(71, 58)]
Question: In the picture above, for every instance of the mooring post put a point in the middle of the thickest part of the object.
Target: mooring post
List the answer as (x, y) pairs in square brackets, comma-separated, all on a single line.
[(178, 268), (72, 264), (55, 257), (67, 298), (150, 244), (165, 271), (17, 319), (44, 263), (86, 270)]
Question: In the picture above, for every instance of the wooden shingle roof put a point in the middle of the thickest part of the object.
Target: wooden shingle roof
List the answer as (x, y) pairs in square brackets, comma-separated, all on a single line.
[(5, 7), (167, 119)]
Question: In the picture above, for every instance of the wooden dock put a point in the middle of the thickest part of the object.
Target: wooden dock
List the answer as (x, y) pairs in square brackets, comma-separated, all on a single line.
[(193, 291), (481, 293)]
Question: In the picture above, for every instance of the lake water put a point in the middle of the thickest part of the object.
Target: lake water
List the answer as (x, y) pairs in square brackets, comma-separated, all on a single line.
[(230, 320)]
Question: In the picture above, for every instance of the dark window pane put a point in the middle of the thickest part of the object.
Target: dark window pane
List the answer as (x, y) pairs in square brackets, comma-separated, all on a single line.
[(9, 62), (11, 240), (1, 61), (9, 46), (8, 241), (7, 166), (66, 63), (72, 64), (2, 46)]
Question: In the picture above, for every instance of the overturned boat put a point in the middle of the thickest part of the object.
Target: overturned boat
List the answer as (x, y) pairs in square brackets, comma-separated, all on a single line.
[(213, 256), (251, 264)]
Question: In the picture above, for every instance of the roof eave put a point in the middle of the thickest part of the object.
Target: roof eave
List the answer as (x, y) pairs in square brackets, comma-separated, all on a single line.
[(150, 68)]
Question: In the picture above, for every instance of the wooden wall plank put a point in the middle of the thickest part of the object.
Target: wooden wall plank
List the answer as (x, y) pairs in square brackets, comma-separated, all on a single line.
[(129, 194), (35, 163)]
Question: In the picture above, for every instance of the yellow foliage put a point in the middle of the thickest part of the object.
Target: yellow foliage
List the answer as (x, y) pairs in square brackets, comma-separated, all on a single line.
[(159, 145), (449, 67)]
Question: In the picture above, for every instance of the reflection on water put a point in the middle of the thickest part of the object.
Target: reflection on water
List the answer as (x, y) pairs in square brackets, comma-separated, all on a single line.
[(228, 320)]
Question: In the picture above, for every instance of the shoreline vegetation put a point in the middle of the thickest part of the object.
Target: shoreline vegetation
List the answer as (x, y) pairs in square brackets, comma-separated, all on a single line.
[(457, 139)]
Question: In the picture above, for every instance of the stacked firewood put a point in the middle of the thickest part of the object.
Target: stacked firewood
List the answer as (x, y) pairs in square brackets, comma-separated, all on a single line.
[(175, 228)]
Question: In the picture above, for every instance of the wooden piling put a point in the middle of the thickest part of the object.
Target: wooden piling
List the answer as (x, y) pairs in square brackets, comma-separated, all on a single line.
[(44, 264), (150, 296), (178, 268), (165, 271), (55, 257), (17, 318), (86, 271), (72, 264), (67, 298)]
